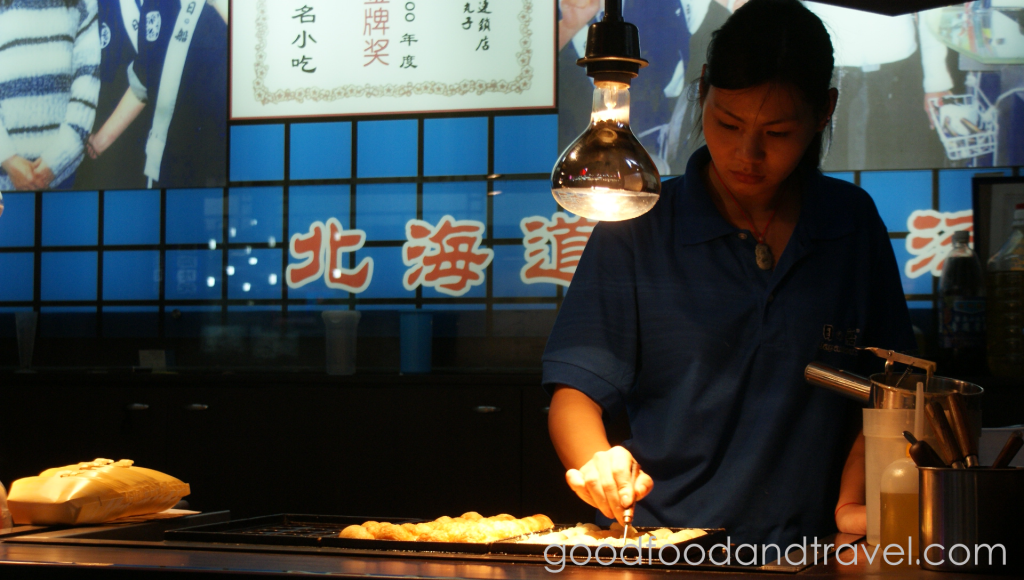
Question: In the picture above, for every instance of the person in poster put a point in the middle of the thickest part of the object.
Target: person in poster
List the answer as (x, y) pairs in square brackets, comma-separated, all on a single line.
[(665, 42), (49, 52), (890, 67), (181, 69), (121, 166)]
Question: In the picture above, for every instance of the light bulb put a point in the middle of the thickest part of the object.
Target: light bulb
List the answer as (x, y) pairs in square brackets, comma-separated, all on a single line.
[(606, 174)]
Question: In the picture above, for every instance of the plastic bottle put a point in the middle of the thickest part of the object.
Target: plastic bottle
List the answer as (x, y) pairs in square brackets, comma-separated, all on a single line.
[(1006, 314), (899, 504), (962, 311)]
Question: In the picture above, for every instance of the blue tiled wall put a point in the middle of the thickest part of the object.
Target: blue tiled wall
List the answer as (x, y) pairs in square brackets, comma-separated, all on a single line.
[(107, 248)]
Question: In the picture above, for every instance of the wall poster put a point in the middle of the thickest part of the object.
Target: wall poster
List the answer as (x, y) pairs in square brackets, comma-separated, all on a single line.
[(302, 58), (137, 99), (942, 88)]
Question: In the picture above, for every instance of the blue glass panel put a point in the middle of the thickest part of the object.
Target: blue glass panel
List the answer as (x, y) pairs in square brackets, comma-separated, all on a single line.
[(479, 291), (193, 275), (189, 321), (131, 321), (919, 285), (843, 175), (385, 307), (382, 209), (18, 273), (321, 150), (195, 216), (455, 146), (254, 274), (955, 187), (71, 219), (257, 152), (8, 326), (527, 144), (453, 320), (524, 307), (388, 270), (254, 214), (131, 217), (67, 321), (507, 265), (311, 203), (18, 222), (387, 148), (318, 289), (68, 276), (920, 304), (463, 200), (897, 194), (519, 199), (131, 275)]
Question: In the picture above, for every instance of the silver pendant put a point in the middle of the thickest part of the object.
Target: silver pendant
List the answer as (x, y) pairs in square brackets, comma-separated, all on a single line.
[(763, 255)]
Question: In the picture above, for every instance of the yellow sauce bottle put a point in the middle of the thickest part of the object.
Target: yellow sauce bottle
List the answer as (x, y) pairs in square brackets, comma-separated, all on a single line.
[(899, 491)]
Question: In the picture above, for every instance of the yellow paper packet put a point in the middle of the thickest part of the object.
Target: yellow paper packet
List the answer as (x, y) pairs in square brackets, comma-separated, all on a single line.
[(92, 492)]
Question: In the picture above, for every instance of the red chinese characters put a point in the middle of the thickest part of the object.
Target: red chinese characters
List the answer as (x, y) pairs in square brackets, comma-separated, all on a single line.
[(553, 247), (376, 19), (930, 239), (321, 252), (446, 257)]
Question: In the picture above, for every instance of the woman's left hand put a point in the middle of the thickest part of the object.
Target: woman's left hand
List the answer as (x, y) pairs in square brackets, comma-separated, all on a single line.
[(42, 174)]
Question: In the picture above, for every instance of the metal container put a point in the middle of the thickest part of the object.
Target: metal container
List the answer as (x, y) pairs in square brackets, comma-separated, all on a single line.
[(968, 514)]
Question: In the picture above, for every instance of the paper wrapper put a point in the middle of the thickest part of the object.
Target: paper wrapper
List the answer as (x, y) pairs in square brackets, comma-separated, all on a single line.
[(164, 515), (92, 493)]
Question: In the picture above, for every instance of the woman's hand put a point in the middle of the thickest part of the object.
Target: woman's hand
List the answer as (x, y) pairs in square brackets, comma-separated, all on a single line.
[(21, 172), (95, 145), (605, 482), (42, 175), (575, 15)]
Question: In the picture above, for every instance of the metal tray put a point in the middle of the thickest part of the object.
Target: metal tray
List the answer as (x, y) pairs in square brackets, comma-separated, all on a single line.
[(512, 546), (278, 530), (398, 545)]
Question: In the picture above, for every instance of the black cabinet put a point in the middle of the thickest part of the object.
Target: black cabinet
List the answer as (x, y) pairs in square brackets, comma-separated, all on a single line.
[(47, 426), (370, 447), (411, 450)]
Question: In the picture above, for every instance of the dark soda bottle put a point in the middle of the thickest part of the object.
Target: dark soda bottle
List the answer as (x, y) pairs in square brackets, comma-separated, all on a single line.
[(1006, 293), (962, 311)]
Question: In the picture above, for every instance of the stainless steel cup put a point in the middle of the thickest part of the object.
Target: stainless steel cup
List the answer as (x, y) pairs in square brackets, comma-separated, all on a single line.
[(972, 520)]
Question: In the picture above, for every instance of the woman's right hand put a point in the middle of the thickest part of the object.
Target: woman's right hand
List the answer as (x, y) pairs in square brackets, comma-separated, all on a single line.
[(95, 146), (21, 171), (604, 482)]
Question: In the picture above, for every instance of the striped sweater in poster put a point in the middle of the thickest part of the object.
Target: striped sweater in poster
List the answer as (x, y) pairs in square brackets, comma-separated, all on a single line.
[(49, 55)]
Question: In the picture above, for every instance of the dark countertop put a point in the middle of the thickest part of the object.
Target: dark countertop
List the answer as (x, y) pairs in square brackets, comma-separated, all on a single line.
[(141, 550), (31, 561)]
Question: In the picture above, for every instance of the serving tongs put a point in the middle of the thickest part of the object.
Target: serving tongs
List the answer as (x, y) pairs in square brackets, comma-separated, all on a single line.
[(892, 357)]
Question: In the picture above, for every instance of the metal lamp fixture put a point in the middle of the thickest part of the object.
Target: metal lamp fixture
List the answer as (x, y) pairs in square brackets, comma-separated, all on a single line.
[(606, 174)]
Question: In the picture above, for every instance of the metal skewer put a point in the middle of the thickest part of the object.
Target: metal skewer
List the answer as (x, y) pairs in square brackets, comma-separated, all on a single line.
[(627, 515)]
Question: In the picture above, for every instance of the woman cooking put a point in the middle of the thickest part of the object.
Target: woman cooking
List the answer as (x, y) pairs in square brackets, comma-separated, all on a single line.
[(699, 317)]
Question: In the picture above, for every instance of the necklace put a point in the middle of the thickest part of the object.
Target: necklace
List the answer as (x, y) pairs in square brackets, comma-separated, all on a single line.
[(762, 253)]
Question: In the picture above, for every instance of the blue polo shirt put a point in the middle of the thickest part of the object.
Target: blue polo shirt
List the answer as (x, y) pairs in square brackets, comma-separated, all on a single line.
[(669, 317)]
